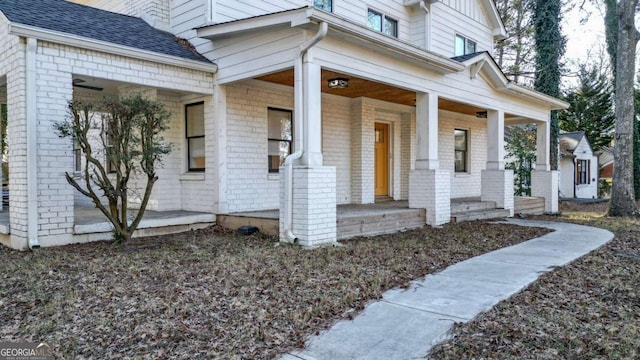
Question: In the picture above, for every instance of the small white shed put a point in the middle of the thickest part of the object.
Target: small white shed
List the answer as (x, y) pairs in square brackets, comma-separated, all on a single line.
[(578, 167)]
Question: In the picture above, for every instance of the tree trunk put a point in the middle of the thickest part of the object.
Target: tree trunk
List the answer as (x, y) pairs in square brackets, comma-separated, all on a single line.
[(622, 193)]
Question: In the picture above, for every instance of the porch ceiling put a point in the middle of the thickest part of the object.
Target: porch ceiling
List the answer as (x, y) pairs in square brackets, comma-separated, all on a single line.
[(359, 87)]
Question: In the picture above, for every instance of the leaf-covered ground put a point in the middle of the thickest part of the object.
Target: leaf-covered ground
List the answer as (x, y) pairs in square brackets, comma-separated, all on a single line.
[(214, 294), (589, 309)]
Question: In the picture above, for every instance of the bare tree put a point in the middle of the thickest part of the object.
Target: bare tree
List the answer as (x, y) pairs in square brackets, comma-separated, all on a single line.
[(622, 193), (515, 54), (129, 132)]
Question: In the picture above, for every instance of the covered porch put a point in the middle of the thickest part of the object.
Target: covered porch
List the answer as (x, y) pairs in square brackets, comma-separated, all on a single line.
[(348, 90)]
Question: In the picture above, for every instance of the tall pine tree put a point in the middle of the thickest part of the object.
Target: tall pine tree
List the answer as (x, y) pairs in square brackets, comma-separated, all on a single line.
[(590, 107), (550, 46)]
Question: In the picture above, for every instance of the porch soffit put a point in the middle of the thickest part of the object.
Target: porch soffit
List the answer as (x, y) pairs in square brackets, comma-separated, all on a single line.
[(309, 17), (359, 87)]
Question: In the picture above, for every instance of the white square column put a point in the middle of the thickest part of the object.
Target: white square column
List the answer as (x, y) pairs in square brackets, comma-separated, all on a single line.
[(314, 185), (497, 183), (544, 181), (429, 187)]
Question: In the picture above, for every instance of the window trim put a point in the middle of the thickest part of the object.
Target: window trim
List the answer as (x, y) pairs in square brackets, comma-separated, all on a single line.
[(277, 170), (467, 40), (383, 20), (583, 168), (322, 8), (465, 151), (77, 156), (188, 138)]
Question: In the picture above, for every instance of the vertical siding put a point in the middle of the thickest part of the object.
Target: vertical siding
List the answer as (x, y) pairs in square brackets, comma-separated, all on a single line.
[(463, 17)]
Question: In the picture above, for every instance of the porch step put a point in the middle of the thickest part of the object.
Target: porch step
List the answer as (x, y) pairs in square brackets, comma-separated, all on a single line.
[(377, 224), (529, 205), (458, 207), (483, 214)]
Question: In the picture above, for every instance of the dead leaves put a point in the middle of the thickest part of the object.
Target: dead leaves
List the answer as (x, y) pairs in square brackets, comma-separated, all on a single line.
[(215, 294), (589, 309)]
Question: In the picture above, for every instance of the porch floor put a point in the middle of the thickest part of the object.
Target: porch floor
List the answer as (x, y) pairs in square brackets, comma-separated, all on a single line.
[(369, 219), (89, 220)]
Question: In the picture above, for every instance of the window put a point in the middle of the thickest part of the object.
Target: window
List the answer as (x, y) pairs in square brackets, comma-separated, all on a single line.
[(77, 156), (582, 172), (379, 22), (464, 46), (194, 118), (326, 5), (109, 141), (461, 150), (279, 137)]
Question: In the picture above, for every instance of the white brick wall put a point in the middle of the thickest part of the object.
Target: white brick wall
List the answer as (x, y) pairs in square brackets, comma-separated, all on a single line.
[(497, 186), (408, 151), (545, 184), (431, 190), (250, 185), (314, 206), (362, 154), (336, 142), (463, 184)]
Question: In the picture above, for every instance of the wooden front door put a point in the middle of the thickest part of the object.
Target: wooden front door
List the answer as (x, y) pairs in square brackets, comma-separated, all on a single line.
[(381, 159)]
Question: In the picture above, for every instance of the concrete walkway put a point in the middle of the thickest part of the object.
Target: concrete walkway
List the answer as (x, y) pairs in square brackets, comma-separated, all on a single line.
[(406, 323)]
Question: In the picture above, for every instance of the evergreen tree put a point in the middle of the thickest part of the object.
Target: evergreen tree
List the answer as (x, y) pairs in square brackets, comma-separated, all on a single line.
[(550, 46), (591, 107)]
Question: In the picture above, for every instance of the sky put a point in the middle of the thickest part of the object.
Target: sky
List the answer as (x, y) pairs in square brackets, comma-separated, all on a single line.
[(584, 30), (584, 39)]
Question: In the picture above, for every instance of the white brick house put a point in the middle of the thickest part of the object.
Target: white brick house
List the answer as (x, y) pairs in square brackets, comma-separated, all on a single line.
[(422, 118)]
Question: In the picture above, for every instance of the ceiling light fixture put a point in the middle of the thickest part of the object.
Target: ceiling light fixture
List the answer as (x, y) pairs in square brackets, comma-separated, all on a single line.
[(338, 83)]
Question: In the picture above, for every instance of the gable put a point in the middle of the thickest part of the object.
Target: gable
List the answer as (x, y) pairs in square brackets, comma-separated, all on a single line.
[(481, 11)]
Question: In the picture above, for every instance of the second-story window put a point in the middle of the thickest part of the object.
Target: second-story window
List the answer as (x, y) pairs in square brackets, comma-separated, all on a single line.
[(464, 46), (326, 5), (380, 22)]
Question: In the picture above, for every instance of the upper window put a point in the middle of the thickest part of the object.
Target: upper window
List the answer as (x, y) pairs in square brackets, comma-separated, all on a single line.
[(464, 46), (380, 22), (461, 150), (326, 5), (194, 118), (582, 172), (279, 137)]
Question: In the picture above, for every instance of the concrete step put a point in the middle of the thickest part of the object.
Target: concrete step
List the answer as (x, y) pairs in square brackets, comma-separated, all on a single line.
[(466, 206), (371, 225), (480, 215), (529, 205)]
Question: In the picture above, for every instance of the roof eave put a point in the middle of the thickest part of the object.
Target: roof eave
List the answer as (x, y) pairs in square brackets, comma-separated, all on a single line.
[(107, 47), (309, 15), (554, 103)]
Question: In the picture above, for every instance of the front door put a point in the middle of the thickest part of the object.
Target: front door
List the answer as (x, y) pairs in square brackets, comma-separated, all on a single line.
[(381, 159)]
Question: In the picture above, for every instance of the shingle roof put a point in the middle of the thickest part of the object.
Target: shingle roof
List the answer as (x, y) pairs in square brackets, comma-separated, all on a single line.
[(463, 58), (88, 22), (569, 141)]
